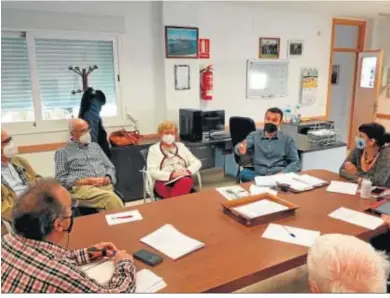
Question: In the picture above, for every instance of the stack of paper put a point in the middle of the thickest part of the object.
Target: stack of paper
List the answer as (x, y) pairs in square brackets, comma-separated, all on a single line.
[(171, 242), (265, 181), (293, 180), (123, 217), (260, 208), (146, 280), (233, 192), (258, 190), (357, 218), (342, 187), (291, 234)]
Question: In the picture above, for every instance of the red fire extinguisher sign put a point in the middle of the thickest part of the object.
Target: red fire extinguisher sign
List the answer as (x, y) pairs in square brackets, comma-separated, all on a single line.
[(204, 48)]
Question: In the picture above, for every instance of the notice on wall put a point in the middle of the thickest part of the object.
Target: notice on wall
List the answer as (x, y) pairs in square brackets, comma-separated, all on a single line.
[(368, 72), (204, 48), (309, 87)]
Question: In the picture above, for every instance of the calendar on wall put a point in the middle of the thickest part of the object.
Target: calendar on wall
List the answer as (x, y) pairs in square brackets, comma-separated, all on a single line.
[(266, 78)]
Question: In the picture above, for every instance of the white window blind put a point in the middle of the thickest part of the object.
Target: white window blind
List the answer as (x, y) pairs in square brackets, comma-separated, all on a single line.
[(56, 82), (16, 94)]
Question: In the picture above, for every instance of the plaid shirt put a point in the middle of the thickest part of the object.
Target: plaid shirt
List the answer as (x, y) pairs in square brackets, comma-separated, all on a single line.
[(30, 266), (77, 161)]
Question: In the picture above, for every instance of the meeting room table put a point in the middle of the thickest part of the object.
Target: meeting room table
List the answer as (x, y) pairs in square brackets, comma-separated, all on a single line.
[(234, 255)]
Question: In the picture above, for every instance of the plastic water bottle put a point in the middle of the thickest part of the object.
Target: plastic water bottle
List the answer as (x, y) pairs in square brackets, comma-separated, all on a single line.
[(365, 189), (287, 114)]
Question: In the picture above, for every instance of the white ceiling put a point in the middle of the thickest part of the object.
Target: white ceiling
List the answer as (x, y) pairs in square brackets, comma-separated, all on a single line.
[(356, 9)]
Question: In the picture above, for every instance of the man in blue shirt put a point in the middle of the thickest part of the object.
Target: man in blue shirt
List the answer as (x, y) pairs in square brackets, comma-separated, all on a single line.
[(272, 151)]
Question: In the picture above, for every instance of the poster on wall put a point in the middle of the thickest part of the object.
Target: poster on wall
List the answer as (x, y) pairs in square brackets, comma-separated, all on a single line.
[(181, 42), (309, 86), (368, 72), (204, 48)]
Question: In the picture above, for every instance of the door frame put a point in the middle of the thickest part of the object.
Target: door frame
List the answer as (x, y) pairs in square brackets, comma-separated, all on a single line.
[(360, 45)]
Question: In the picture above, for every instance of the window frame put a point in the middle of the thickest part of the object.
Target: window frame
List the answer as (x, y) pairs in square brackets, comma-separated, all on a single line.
[(40, 125)]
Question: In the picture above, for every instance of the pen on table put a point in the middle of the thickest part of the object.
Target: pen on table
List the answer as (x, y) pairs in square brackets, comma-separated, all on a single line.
[(123, 217), (289, 232)]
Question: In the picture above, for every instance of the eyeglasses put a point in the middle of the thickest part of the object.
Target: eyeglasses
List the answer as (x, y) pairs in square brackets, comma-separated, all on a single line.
[(6, 141)]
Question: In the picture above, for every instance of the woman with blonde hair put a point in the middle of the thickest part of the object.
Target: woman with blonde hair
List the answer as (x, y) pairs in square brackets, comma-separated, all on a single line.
[(169, 160)]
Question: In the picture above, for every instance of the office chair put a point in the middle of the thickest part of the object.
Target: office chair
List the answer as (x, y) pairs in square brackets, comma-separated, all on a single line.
[(240, 128), (149, 191), (83, 210)]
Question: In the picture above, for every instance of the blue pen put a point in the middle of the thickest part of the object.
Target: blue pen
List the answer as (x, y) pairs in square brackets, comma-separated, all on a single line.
[(291, 234)]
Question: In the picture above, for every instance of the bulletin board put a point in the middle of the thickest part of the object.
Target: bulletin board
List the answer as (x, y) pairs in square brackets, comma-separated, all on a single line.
[(266, 78)]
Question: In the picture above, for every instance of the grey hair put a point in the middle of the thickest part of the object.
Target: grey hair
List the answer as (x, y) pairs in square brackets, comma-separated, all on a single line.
[(345, 264), (34, 212)]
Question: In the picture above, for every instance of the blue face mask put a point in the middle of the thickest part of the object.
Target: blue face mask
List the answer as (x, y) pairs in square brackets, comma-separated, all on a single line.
[(360, 143)]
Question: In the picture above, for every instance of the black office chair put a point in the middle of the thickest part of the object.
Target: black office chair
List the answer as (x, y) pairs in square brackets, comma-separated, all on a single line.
[(240, 128), (148, 182)]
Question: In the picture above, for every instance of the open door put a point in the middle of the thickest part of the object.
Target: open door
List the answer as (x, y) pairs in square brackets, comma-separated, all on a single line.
[(367, 89)]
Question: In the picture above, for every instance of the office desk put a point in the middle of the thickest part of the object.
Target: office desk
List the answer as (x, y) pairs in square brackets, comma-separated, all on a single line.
[(235, 256)]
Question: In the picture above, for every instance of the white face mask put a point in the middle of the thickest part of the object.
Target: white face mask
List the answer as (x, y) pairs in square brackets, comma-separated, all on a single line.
[(85, 138), (168, 139), (10, 150)]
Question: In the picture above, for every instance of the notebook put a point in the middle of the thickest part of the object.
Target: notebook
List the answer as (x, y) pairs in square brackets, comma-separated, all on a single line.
[(290, 234), (257, 190), (175, 179), (260, 208), (232, 192), (146, 280), (310, 180), (293, 181), (172, 243)]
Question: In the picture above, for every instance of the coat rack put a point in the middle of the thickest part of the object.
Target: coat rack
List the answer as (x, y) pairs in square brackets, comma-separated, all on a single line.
[(84, 73)]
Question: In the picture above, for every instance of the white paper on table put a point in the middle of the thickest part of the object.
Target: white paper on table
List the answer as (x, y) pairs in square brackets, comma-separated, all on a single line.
[(233, 192), (148, 282), (357, 218), (169, 241), (282, 233), (100, 271), (342, 187), (258, 190), (260, 208), (265, 181), (293, 180), (123, 217)]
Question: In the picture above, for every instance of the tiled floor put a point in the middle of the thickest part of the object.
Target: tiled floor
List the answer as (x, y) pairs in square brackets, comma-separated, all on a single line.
[(293, 281)]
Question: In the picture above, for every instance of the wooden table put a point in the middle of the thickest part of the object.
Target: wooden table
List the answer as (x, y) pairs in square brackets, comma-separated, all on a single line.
[(235, 256)]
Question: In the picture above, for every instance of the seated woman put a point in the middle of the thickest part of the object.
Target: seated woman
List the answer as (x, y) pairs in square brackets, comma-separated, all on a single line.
[(371, 157), (168, 160)]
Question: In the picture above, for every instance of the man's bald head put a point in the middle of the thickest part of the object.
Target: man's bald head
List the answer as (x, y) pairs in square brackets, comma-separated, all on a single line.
[(4, 134), (77, 128), (36, 211)]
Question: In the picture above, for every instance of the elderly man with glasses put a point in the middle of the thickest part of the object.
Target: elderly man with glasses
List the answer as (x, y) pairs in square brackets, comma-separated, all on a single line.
[(16, 176), (84, 169)]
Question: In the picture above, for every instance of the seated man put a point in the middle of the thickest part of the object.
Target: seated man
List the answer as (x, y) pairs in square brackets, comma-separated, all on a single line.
[(345, 264), (32, 259), (272, 151), (16, 176), (84, 169)]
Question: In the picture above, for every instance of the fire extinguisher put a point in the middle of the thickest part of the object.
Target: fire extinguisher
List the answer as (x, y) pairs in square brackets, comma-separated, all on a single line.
[(206, 83)]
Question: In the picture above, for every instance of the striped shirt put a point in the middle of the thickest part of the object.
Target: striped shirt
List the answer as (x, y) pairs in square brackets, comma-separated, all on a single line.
[(30, 266), (77, 161)]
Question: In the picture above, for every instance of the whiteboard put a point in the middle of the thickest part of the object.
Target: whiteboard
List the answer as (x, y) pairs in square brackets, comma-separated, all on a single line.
[(266, 78)]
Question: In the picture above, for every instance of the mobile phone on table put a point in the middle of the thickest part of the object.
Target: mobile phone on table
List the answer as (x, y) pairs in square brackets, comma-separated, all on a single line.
[(377, 190), (147, 257)]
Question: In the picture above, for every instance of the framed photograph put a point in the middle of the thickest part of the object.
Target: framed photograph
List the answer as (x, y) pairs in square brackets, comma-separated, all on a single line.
[(182, 77), (335, 74), (181, 42), (295, 48), (269, 47)]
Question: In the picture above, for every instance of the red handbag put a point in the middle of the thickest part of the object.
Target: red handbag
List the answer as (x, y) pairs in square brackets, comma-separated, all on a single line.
[(124, 138)]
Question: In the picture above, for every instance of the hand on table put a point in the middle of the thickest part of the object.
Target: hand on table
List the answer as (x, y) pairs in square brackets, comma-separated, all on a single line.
[(102, 249), (99, 181), (350, 168), (242, 148), (386, 218)]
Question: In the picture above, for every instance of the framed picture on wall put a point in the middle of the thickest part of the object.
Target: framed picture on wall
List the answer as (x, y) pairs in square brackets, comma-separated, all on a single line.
[(335, 74), (181, 42), (269, 47), (294, 48)]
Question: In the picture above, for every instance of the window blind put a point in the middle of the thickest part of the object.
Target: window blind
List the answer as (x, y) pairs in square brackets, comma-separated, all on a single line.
[(56, 82), (16, 94)]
